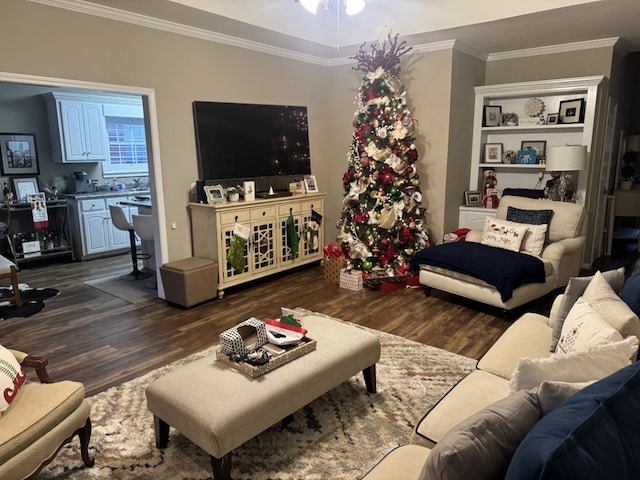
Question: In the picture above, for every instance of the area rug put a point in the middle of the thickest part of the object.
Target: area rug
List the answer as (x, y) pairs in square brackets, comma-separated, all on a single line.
[(341, 435), (129, 291), (32, 301)]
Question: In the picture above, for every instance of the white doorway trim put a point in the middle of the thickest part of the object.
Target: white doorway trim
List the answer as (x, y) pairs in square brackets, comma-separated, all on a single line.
[(151, 124)]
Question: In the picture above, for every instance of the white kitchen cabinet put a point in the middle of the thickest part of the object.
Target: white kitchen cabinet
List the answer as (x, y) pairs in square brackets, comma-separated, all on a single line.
[(92, 229), (77, 126)]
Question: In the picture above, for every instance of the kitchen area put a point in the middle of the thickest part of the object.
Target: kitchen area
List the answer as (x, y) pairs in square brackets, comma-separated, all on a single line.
[(67, 157)]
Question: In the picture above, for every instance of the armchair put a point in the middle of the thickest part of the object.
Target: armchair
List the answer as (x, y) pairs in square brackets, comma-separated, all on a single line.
[(561, 257), (43, 417)]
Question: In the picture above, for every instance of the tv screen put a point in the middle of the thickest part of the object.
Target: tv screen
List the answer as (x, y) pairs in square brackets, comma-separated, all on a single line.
[(237, 140)]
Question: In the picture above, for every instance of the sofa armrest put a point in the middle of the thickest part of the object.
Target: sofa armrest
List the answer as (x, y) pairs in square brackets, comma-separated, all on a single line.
[(555, 307), (566, 256), (561, 248), (473, 236), (39, 364)]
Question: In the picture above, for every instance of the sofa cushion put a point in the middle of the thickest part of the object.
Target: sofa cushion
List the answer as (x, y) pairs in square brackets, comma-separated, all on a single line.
[(551, 394), (593, 363), (533, 217), (574, 290), (611, 307), (12, 377), (503, 234), (481, 446), (528, 336), (593, 435), (631, 292), (583, 328), (468, 396)]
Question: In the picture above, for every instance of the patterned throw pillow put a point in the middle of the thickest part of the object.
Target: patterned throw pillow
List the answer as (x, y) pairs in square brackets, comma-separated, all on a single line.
[(503, 234), (583, 328), (532, 217), (12, 377)]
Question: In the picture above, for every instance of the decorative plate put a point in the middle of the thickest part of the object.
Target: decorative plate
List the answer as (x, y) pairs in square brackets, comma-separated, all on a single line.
[(534, 107)]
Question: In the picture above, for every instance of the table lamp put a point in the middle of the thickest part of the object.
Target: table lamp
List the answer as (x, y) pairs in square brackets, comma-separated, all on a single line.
[(560, 160)]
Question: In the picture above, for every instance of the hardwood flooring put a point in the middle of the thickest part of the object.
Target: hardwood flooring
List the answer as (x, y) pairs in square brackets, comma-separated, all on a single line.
[(101, 340)]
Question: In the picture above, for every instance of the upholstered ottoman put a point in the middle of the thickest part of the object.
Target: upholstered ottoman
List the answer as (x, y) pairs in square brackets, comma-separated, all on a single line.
[(219, 408), (190, 281)]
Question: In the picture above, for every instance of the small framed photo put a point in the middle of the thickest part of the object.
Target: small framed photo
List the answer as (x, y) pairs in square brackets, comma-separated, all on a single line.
[(249, 191), (491, 115), (528, 156), (19, 155), (539, 145), (215, 194), (24, 186), (572, 111), (552, 118), (310, 183), (492, 153), (472, 198)]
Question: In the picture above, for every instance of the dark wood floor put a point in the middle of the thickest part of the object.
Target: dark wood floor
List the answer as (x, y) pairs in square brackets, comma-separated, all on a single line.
[(100, 340)]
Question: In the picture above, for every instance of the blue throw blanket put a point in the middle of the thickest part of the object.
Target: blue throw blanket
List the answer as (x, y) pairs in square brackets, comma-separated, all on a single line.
[(504, 269)]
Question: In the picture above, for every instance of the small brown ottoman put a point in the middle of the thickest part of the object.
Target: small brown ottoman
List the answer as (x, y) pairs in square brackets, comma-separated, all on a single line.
[(190, 281)]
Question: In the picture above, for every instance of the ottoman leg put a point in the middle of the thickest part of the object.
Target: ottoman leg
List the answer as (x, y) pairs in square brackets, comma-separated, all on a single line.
[(221, 467), (162, 432), (369, 374)]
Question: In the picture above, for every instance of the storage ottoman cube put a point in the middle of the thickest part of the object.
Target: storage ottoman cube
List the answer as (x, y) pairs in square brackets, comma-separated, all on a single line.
[(190, 281)]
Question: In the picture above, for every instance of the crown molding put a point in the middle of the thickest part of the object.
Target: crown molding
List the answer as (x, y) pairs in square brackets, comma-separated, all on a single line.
[(551, 49)]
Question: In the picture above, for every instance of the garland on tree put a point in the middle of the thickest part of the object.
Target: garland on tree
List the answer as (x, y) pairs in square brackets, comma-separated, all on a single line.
[(382, 223)]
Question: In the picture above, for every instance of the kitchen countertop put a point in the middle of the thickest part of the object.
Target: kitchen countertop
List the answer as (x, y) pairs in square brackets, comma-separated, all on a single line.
[(107, 193)]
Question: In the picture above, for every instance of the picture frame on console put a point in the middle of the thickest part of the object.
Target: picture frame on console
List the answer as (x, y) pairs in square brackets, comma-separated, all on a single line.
[(214, 194), (472, 198), (24, 186), (310, 184)]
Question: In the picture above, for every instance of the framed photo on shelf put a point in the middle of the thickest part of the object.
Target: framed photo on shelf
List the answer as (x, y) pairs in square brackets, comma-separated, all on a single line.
[(472, 198), (249, 191), (571, 111), (491, 115), (539, 145), (492, 153), (24, 186), (215, 194), (19, 155), (310, 183), (552, 118)]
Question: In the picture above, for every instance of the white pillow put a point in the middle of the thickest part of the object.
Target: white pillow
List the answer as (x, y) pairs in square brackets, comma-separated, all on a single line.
[(503, 234), (584, 328), (534, 239), (12, 377), (551, 394), (613, 309), (594, 363)]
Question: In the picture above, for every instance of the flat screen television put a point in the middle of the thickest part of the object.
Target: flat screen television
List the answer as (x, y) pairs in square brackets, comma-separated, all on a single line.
[(240, 141)]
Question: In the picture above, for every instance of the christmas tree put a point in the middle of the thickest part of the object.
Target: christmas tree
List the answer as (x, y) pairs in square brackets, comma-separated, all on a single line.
[(382, 222)]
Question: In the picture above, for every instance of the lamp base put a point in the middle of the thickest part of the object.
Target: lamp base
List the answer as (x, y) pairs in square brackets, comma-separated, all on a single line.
[(560, 189)]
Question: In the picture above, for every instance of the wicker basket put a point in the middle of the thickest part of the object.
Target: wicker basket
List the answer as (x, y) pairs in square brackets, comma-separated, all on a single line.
[(331, 269)]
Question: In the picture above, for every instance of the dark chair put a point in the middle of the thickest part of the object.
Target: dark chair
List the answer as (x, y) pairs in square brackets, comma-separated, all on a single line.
[(119, 220)]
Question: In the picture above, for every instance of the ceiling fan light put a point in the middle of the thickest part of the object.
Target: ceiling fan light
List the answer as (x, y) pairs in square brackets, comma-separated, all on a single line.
[(311, 5), (354, 6)]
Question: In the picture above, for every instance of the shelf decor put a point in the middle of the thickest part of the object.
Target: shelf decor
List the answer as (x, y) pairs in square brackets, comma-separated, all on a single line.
[(572, 111), (493, 153), (491, 115), (19, 155), (534, 107)]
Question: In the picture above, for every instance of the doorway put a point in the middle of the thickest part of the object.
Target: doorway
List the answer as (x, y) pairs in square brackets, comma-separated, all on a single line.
[(151, 128)]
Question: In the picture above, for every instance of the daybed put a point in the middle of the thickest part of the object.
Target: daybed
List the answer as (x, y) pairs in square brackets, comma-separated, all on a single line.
[(479, 270), (526, 413)]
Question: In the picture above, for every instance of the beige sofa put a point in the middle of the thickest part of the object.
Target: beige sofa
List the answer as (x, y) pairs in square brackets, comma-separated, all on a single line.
[(529, 336), (561, 256)]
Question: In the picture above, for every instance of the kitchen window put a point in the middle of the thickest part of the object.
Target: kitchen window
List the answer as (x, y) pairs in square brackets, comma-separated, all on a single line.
[(127, 147)]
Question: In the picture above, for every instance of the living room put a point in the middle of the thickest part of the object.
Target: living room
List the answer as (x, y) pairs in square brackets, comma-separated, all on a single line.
[(153, 63)]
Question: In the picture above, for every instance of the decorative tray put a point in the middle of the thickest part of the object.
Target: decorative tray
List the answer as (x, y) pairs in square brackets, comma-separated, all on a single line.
[(306, 345)]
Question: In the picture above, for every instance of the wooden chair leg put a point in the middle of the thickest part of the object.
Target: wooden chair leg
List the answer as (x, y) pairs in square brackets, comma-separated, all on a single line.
[(369, 374), (221, 467), (85, 435)]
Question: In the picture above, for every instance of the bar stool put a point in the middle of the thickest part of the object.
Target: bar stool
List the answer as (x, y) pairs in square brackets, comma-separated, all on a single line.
[(119, 220), (143, 226)]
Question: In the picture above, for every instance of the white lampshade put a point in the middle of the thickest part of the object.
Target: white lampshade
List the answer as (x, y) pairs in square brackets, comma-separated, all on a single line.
[(311, 5), (566, 158), (354, 6), (633, 143)]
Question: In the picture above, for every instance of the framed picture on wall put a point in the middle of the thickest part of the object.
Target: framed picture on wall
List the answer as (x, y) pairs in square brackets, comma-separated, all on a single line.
[(19, 155)]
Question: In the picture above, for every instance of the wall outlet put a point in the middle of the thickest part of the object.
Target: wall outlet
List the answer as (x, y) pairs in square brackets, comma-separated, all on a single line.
[(174, 226)]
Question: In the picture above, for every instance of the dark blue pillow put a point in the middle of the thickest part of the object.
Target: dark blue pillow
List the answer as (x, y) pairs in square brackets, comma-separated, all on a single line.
[(594, 435), (531, 217), (630, 292)]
